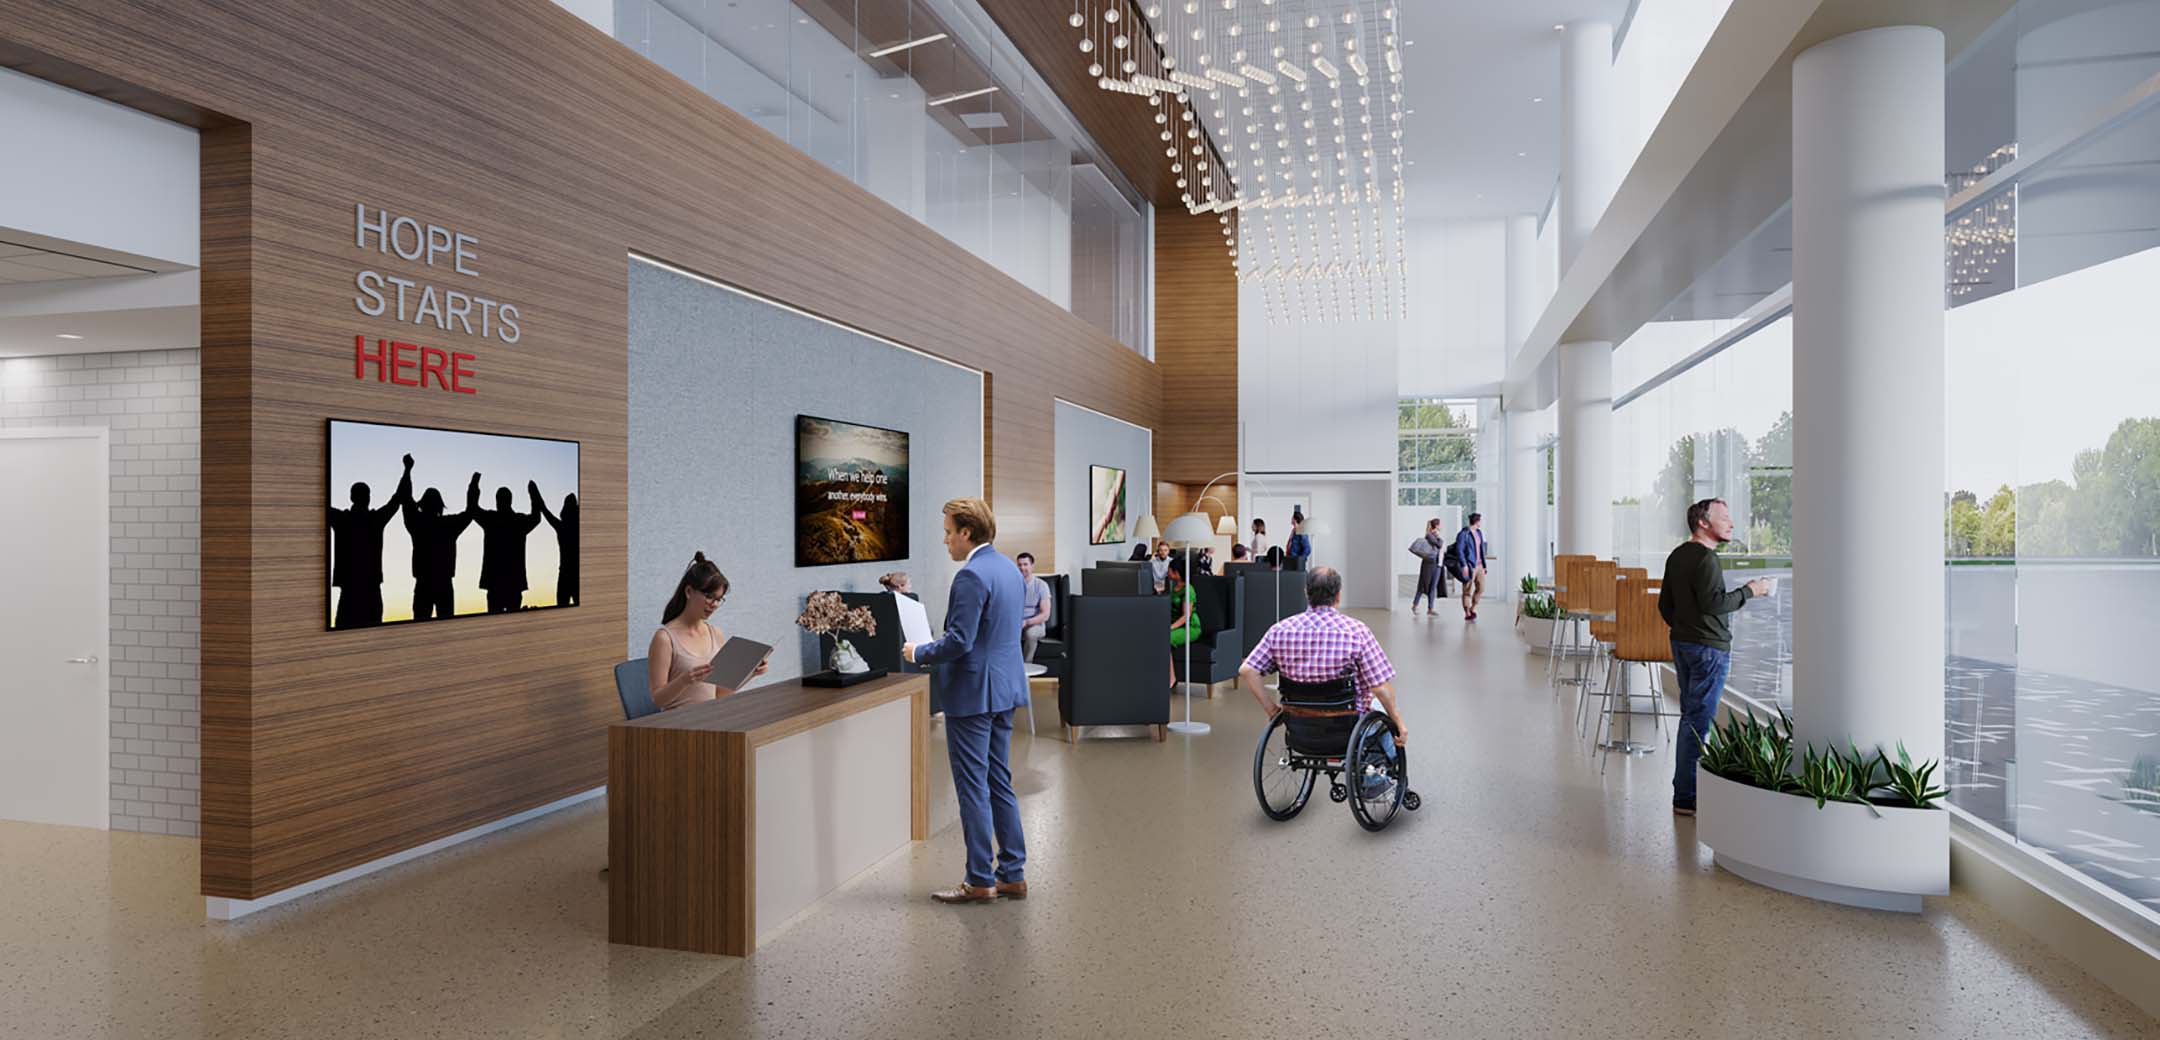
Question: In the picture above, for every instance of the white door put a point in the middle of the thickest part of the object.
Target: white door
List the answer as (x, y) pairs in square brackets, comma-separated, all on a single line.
[(54, 704)]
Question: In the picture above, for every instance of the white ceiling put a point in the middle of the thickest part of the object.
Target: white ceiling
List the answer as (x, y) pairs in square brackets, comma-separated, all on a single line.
[(1470, 70), (20, 262)]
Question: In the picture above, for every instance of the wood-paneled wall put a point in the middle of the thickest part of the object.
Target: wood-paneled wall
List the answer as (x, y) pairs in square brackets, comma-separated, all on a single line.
[(1196, 346), (562, 151)]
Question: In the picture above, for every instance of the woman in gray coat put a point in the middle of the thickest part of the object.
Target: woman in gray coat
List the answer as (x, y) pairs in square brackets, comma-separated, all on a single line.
[(1431, 578)]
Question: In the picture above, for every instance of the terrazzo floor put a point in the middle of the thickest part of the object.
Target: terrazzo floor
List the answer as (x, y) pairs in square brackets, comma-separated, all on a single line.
[(1530, 897)]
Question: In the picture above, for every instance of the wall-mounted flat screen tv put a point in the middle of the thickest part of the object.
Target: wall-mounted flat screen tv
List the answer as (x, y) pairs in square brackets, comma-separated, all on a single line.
[(427, 524), (851, 492), (1106, 505)]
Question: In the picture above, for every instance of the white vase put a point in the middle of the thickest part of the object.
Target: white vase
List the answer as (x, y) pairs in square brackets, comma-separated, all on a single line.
[(845, 659)]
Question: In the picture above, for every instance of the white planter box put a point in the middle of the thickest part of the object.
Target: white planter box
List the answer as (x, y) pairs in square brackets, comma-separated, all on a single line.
[(1842, 852), (1536, 633)]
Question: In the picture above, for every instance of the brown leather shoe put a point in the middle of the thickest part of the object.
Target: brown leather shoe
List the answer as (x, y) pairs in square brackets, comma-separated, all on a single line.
[(1012, 889), (966, 893)]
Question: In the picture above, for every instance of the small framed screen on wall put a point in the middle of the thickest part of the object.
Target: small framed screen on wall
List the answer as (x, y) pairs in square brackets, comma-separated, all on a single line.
[(1106, 505), (426, 524), (851, 492)]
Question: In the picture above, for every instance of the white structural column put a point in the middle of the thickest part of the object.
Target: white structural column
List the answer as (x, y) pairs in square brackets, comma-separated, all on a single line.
[(1868, 422), (1596, 129), (1522, 548), (1586, 524)]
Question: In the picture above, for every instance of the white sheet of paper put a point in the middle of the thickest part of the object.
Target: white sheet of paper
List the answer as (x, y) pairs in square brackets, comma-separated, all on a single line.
[(914, 620)]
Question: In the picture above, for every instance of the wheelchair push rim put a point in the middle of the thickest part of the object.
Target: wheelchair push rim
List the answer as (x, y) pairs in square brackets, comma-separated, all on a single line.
[(1365, 767), (1281, 787)]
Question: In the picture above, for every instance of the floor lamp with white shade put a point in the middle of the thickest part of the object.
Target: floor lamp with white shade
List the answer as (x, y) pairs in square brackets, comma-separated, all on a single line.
[(1183, 532)]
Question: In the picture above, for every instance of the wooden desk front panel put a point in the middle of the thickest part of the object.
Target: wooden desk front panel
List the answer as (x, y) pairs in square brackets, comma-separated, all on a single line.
[(680, 838), (683, 804)]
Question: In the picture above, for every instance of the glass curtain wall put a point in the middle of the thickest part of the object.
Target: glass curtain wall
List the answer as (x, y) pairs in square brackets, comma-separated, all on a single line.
[(2052, 489), (2051, 494), (924, 104), (1722, 429)]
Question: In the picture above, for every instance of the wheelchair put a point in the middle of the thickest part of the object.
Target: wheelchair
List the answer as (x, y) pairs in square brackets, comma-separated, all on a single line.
[(1320, 730)]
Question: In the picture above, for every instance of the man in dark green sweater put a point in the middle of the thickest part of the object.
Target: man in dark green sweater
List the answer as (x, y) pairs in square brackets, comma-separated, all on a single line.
[(1694, 601)]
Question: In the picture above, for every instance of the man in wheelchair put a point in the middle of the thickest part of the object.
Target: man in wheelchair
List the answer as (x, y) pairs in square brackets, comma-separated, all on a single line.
[(1332, 670)]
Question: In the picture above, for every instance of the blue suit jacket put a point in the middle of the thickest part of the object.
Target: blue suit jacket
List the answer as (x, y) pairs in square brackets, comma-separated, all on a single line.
[(977, 663)]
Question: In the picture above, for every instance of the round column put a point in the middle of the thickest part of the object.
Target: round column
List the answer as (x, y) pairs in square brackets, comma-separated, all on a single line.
[(1586, 449), (1596, 123), (1868, 412), (1521, 550)]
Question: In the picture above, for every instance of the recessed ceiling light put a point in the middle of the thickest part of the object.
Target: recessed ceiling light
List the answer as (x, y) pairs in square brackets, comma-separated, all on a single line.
[(1536, 100), (68, 335), (1559, 28), (1522, 155), (907, 45)]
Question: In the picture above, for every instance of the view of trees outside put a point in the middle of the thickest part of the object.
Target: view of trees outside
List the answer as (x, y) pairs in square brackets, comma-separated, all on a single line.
[(2110, 506), (1436, 453), (1723, 429)]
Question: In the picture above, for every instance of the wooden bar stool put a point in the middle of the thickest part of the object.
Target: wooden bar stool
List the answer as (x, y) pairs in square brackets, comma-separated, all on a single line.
[(1593, 602), (1564, 571), (1644, 639), (1604, 632)]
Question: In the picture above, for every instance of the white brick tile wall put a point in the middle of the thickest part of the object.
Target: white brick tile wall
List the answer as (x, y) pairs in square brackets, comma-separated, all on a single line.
[(152, 403)]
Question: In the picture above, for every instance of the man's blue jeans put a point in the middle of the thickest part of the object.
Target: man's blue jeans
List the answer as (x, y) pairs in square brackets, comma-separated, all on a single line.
[(980, 747), (1702, 678)]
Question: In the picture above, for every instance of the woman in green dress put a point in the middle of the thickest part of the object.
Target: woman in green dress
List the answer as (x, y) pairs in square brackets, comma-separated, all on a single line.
[(1184, 613)]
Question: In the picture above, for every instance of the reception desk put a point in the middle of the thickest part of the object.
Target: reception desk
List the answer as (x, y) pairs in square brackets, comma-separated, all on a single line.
[(728, 817)]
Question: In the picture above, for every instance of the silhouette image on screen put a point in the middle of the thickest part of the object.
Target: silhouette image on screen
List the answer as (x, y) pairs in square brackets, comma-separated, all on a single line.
[(453, 555), (502, 560), (434, 548), (357, 537), (565, 525)]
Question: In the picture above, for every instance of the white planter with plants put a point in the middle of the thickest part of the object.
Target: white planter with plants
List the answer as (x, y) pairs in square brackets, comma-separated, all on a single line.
[(1534, 616), (1863, 830), (1536, 633)]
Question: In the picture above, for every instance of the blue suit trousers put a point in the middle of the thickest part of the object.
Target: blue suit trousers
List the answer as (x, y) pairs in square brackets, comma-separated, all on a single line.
[(980, 747)]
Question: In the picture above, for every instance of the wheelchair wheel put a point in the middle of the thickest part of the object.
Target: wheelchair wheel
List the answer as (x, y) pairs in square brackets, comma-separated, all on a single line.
[(1281, 787), (1376, 782)]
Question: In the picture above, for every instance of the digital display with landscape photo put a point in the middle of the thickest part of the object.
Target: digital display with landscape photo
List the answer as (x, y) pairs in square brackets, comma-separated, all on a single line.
[(851, 493)]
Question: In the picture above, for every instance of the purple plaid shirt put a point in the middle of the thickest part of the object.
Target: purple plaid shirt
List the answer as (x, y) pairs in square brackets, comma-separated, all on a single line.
[(1318, 646)]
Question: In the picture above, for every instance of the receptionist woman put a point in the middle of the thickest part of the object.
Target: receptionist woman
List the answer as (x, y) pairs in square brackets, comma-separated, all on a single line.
[(682, 650)]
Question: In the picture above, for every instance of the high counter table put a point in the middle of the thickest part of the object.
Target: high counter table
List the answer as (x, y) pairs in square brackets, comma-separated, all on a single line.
[(748, 808)]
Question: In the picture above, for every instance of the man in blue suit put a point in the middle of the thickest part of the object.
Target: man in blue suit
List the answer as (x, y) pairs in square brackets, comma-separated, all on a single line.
[(981, 678)]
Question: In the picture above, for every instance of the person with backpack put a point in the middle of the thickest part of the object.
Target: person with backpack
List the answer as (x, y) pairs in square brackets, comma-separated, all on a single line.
[(1431, 578), (1466, 561), (1299, 548)]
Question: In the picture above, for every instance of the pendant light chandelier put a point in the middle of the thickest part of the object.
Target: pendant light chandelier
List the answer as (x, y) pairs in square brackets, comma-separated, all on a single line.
[(1981, 241), (1302, 100)]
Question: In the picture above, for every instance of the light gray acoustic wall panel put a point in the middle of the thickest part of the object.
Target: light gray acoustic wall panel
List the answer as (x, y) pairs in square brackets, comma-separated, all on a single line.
[(716, 381), (1087, 438)]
